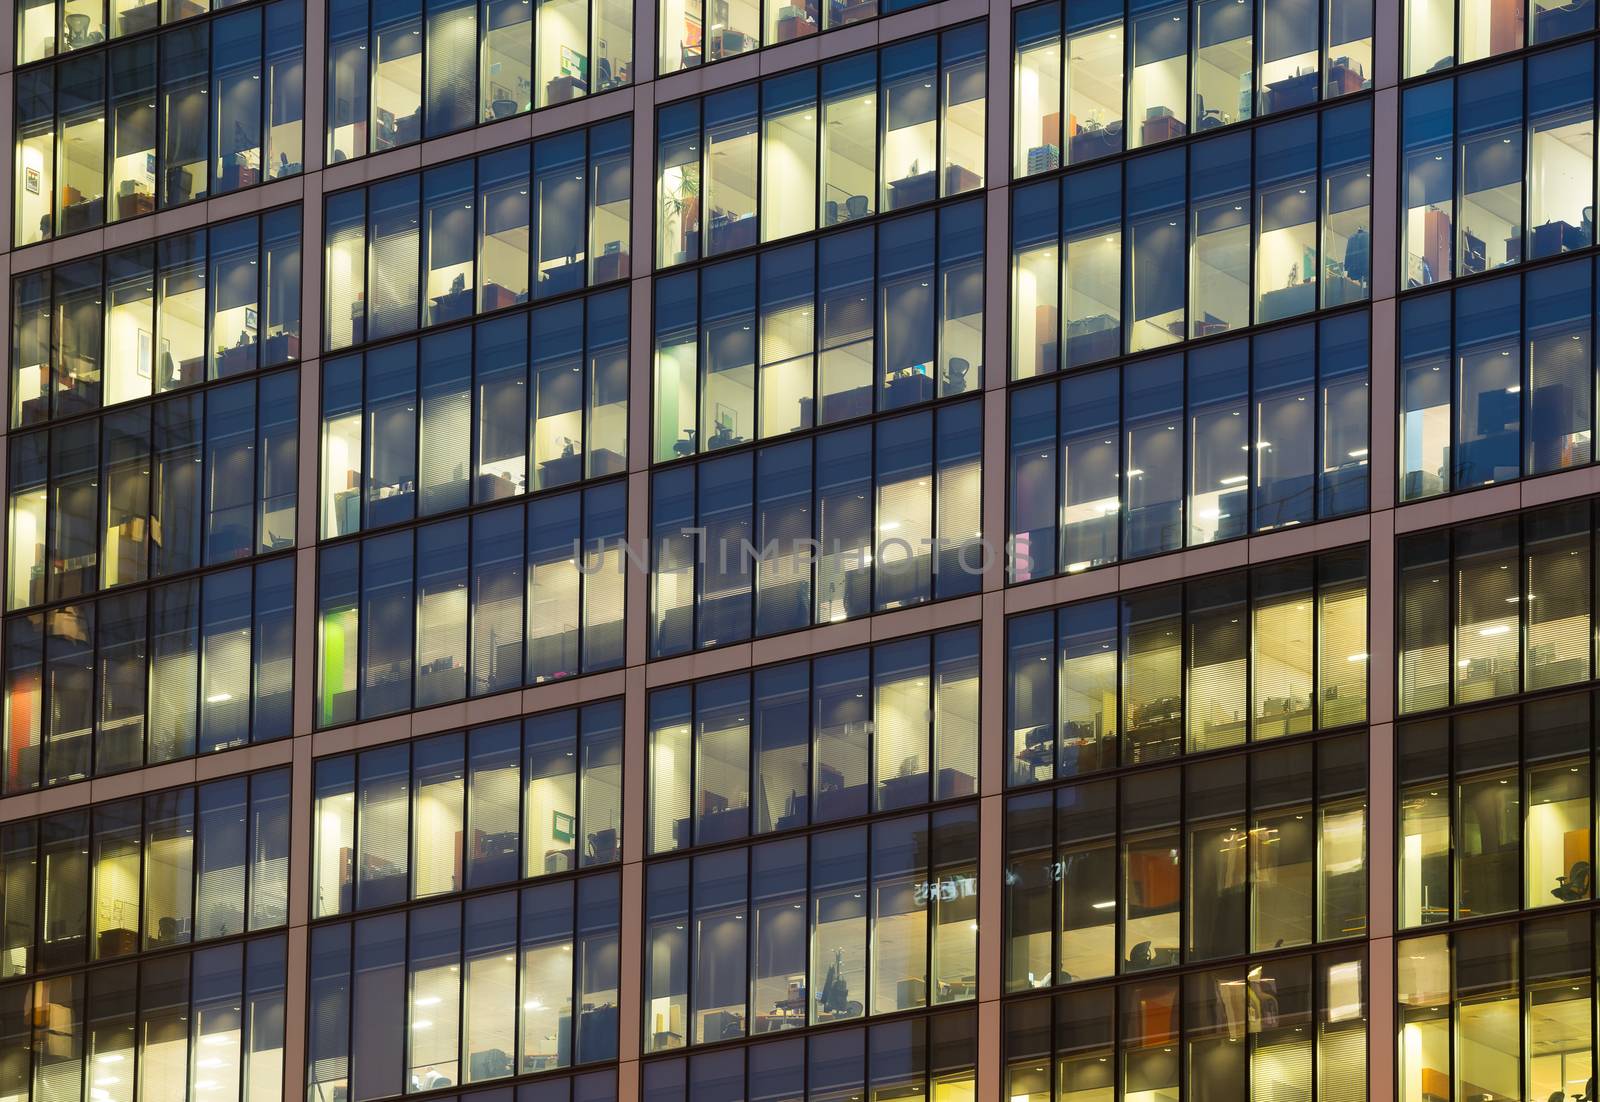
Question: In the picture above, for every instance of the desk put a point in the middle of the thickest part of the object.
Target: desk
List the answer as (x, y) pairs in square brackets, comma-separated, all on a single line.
[(1092, 338), (451, 305), (907, 388), (953, 783), (560, 470), (496, 297), (1557, 237), (442, 679), (1344, 78), (117, 943), (1295, 91), (795, 23), (280, 348), (142, 18), (134, 204), (1160, 128), (183, 373), (563, 88), (911, 190), (851, 11), (842, 803), (1340, 289), (1287, 302), (1086, 145), (400, 131), (609, 266), (604, 461), (236, 176), (903, 791), (236, 360), (561, 278), (958, 178), (493, 487), (1553, 23), (82, 215), (728, 234), (843, 406)]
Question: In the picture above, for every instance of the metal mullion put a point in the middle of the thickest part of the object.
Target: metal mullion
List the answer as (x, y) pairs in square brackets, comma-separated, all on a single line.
[(244, 976), (760, 135), (193, 1039), (1063, 276), (694, 788), (471, 623), (934, 469), (1191, 19), (1449, 535), (1455, 61), (1118, 935), (880, 102), (1523, 671), (1451, 818), (749, 947), (461, 988), (814, 610), (135, 1049), (194, 872), (868, 898), (585, 375), (819, 169), (203, 491)]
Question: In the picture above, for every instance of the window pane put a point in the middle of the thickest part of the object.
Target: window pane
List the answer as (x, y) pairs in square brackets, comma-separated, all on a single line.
[(838, 926)]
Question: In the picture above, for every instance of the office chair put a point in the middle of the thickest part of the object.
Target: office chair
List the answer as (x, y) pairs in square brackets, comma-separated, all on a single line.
[(955, 376), (1574, 885)]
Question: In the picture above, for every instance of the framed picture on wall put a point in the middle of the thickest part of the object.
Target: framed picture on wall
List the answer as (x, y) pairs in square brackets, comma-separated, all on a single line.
[(141, 366), (250, 318)]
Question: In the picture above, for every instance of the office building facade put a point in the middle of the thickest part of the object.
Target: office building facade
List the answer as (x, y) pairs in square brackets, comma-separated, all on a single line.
[(799, 551)]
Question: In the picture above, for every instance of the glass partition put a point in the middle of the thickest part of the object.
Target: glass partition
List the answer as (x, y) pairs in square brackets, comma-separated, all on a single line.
[(1097, 462), (140, 1026), (1440, 34), (856, 732), (1496, 381), (151, 675), (763, 140), (383, 462), (1247, 1031), (1246, 853), (922, 1057), (879, 896), (875, 318), (1485, 793), (139, 321), (544, 795), (86, 118), (1136, 256), (189, 481), (173, 868), (1184, 669), (500, 985), (880, 516), (1495, 608), (399, 627), (1499, 166), (425, 249), (399, 74), (1458, 984), (1173, 69)]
